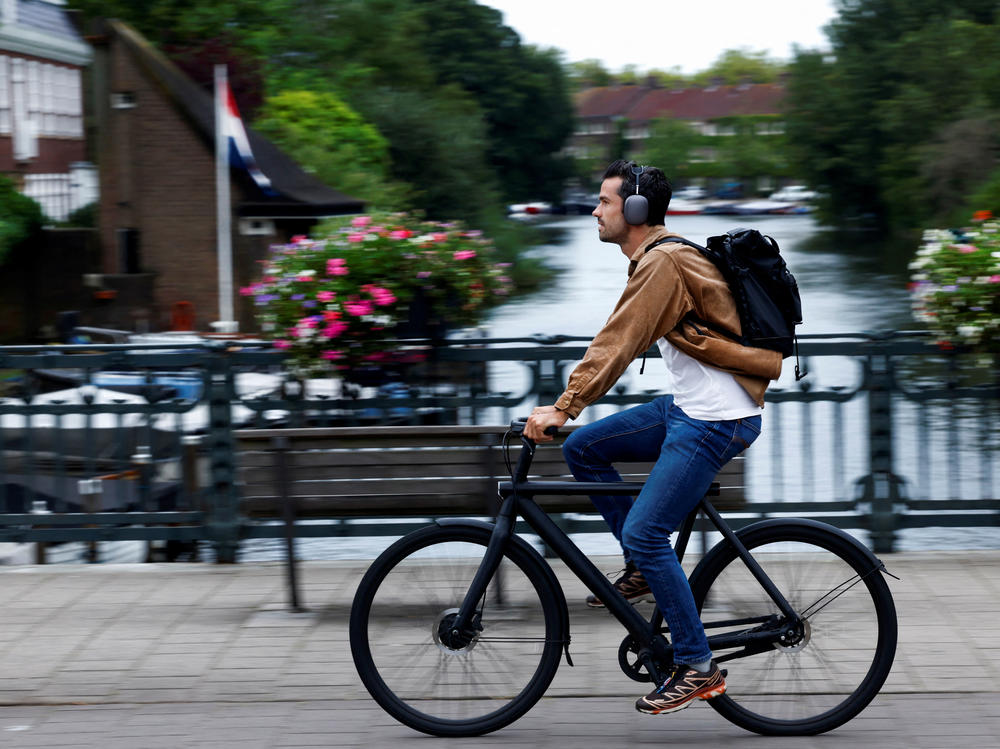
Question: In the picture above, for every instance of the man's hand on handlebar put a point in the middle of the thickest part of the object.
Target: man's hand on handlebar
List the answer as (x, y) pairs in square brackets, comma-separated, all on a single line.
[(543, 418)]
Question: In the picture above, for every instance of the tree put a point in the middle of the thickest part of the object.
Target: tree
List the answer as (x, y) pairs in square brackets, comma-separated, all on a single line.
[(20, 217), (671, 146), (736, 66), (454, 55), (901, 72), (589, 73), (334, 142)]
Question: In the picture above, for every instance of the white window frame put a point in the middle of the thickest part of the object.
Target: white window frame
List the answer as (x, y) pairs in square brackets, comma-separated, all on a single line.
[(5, 97)]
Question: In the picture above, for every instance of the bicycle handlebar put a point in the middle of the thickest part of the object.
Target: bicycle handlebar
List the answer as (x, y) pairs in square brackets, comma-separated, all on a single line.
[(517, 427)]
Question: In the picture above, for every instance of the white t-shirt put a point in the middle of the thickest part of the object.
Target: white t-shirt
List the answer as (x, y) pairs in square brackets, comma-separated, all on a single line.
[(704, 392)]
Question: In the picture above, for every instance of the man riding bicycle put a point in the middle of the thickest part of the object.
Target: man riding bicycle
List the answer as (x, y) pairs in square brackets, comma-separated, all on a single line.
[(713, 413)]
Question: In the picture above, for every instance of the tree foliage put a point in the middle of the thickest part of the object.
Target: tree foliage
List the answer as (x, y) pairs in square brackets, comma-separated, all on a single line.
[(736, 66), (331, 139), (20, 217), (455, 56), (866, 120)]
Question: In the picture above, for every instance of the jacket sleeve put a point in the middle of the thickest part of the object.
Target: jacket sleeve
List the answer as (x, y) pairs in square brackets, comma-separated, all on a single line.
[(653, 302)]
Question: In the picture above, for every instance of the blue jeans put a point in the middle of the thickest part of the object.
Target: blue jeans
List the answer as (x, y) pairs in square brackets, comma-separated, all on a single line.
[(688, 454)]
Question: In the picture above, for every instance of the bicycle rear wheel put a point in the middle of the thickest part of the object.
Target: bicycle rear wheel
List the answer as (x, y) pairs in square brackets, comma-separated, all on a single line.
[(844, 650), (400, 620)]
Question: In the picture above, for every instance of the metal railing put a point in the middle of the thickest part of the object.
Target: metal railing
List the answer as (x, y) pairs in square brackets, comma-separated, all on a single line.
[(887, 433)]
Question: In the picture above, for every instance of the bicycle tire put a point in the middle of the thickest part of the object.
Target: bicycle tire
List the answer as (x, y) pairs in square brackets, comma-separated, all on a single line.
[(848, 646), (416, 677)]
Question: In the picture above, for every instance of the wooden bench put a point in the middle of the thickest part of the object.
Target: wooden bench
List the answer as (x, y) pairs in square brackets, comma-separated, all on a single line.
[(405, 471), (400, 471)]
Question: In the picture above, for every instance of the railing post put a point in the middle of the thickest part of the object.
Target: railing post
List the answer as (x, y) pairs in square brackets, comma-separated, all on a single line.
[(881, 491), (223, 509)]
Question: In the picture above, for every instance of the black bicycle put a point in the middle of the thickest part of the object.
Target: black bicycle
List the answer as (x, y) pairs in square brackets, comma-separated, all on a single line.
[(457, 629)]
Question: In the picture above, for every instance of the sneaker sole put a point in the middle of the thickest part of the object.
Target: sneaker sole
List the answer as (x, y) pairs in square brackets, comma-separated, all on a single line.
[(714, 692)]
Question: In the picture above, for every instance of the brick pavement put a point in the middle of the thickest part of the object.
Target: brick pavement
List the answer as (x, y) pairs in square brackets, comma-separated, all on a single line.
[(202, 655)]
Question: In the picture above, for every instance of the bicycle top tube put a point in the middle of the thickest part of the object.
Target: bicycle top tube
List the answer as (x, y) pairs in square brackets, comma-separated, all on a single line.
[(519, 475)]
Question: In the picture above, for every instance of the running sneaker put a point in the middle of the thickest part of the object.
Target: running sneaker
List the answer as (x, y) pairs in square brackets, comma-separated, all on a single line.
[(683, 687), (631, 584)]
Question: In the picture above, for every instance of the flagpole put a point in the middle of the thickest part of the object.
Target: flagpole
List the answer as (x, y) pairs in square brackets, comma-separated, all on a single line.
[(223, 207)]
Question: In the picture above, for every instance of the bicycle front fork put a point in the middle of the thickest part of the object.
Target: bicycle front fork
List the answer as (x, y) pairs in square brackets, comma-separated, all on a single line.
[(464, 624)]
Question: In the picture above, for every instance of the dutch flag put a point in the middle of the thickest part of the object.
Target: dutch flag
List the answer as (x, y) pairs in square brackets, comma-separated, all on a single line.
[(240, 153)]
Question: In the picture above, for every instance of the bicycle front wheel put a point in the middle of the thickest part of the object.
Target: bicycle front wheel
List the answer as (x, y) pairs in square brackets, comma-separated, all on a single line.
[(428, 681), (842, 652)]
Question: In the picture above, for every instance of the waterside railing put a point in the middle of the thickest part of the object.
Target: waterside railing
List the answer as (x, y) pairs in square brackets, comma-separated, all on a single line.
[(888, 432)]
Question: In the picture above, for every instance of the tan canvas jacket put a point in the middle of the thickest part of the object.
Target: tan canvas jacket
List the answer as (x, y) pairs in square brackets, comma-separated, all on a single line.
[(664, 284)]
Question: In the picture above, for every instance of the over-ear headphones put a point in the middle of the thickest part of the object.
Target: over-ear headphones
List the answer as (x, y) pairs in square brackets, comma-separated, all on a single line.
[(636, 208)]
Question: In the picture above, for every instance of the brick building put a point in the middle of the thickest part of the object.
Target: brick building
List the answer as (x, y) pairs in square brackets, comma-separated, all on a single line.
[(156, 153), (42, 144)]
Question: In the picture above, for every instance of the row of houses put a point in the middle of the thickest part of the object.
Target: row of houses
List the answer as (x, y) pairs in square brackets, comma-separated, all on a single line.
[(607, 115), (70, 100)]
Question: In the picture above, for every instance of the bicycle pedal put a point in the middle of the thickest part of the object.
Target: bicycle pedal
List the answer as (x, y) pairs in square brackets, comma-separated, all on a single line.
[(724, 672)]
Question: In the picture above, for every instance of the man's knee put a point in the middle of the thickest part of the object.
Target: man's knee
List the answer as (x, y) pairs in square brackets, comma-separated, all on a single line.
[(574, 447)]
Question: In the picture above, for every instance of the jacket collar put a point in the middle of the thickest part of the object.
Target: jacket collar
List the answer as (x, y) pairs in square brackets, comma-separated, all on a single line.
[(654, 234)]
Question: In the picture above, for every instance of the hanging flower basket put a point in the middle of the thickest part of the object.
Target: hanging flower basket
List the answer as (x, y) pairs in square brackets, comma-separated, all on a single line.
[(334, 302)]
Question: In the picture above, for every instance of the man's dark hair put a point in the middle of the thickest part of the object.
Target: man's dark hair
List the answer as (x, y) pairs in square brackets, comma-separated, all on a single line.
[(653, 184)]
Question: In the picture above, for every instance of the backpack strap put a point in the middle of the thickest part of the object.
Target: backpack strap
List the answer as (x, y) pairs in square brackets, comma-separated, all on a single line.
[(692, 317)]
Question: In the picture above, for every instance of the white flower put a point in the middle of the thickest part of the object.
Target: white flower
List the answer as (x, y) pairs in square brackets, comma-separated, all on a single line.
[(969, 331)]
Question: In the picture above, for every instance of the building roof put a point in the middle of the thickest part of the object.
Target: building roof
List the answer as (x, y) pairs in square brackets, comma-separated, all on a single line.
[(607, 101), (641, 103), (47, 17), (41, 28), (299, 194)]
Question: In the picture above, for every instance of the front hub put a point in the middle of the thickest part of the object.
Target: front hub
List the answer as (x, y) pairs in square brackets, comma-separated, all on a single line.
[(449, 639)]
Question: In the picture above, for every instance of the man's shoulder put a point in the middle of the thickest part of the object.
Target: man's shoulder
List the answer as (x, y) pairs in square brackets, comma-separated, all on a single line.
[(674, 247)]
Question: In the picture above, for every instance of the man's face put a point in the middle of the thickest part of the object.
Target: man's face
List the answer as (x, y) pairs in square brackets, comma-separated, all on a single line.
[(611, 225)]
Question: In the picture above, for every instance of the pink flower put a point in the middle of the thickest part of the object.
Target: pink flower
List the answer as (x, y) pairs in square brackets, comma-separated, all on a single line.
[(994, 279), (965, 249), (381, 296), (309, 322), (423, 274), (334, 329), (336, 266), (247, 290), (326, 296), (356, 237), (439, 236), (299, 239), (361, 221), (282, 344), (332, 355), (359, 307), (401, 234), (464, 254)]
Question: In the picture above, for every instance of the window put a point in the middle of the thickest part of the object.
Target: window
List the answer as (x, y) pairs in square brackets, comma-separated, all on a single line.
[(5, 101), (39, 98)]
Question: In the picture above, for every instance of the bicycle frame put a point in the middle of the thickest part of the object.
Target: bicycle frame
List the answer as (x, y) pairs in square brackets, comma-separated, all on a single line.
[(518, 499)]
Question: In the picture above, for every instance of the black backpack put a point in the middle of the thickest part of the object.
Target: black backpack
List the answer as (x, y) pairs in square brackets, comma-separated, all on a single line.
[(766, 295)]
